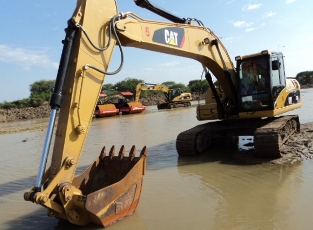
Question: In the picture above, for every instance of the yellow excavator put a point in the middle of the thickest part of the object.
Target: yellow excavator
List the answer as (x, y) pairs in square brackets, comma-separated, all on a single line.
[(173, 97), (247, 101)]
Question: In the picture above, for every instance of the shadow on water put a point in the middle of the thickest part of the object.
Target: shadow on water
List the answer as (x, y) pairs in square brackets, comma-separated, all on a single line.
[(40, 220), (165, 155)]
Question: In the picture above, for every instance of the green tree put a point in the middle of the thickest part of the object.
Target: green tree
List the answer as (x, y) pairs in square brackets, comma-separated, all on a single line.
[(174, 85), (198, 86), (24, 103), (40, 92), (129, 84), (169, 84), (305, 77), (108, 89), (7, 105)]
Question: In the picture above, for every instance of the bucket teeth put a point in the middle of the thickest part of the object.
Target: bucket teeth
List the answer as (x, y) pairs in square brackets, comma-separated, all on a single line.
[(112, 152), (144, 151), (121, 152), (103, 153), (132, 152)]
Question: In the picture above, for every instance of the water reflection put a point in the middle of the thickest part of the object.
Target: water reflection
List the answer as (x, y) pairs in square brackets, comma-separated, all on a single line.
[(245, 196)]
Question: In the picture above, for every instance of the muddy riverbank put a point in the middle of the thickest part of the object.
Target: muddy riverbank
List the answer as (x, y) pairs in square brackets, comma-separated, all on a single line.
[(15, 114)]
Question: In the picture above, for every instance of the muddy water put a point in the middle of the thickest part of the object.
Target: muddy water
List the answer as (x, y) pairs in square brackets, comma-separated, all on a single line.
[(206, 192)]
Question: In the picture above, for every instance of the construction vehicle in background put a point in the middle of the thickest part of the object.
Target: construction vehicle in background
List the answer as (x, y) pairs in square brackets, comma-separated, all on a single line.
[(249, 101), (122, 103), (127, 105), (173, 97), (104, 107)]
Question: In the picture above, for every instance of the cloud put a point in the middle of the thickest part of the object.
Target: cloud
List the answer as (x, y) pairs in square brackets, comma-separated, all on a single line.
[(254, 28), (252, 6), (270, 14), (250, 29), (242, 24), (26, 58), (247, 25), (290, 1)]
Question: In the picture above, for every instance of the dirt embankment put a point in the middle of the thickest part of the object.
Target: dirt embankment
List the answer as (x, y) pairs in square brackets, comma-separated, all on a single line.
[(9, 115)]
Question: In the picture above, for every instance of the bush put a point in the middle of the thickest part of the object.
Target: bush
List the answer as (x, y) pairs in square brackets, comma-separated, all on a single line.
[(305, 78), (24, 103)]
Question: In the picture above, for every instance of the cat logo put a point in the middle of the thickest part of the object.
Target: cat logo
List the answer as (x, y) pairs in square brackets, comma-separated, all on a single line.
[(170, 36)]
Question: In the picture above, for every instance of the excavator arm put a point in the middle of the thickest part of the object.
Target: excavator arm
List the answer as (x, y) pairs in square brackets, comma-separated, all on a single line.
[(83, 66)]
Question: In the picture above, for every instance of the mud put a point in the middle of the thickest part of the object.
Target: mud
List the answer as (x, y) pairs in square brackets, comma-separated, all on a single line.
[(7, 129), (298, 148), (9, 115)]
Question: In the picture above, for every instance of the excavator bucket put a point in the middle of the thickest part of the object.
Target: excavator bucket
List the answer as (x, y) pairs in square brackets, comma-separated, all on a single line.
[(112, 185)]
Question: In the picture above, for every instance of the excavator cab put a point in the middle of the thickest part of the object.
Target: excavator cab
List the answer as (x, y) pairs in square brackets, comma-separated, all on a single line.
[(174, 93), (261, 78)]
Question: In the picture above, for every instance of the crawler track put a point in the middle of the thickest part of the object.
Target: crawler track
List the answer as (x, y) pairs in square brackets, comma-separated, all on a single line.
[(269, 138), (269, 135), (191, 142), (170, 105), (212, 134)]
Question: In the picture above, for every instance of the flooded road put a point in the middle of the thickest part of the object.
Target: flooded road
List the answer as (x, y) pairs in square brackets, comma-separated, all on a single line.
[(207, 192)]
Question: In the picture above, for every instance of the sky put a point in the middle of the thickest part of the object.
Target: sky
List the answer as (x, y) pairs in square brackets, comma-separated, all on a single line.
[(32, 31)]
